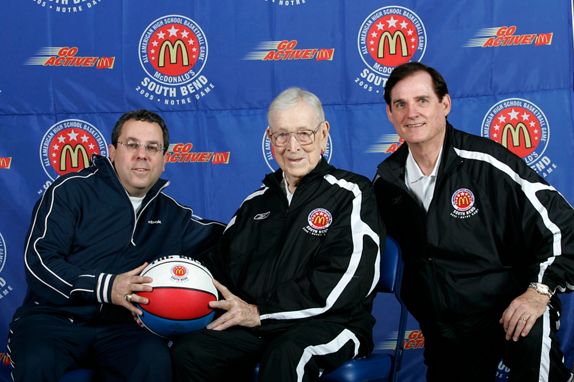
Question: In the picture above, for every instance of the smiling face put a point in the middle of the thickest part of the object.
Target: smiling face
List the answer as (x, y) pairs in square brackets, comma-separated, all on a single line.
[(298, 160), (416, 112), (138, 170)]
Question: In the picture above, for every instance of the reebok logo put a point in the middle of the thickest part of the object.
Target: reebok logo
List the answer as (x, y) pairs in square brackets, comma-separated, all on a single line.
[(154, 222), (262, 216)]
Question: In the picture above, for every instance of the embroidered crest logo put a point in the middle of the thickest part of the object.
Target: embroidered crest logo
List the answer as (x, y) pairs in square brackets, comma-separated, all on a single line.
[(319, 221), (463, 202)]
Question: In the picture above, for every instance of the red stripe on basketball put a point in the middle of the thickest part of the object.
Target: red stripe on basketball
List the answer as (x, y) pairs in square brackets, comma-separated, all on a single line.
[(177, 303)]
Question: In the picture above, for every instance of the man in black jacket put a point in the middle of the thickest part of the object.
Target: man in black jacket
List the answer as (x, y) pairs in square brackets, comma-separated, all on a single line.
[(486, 241), (299, 264), (92, 233)]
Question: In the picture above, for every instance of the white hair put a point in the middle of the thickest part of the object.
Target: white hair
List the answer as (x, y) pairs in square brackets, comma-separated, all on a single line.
[(292, 96)]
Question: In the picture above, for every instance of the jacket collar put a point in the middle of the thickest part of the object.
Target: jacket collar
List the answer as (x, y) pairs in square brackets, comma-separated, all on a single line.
[(394, 165), (273, 180)]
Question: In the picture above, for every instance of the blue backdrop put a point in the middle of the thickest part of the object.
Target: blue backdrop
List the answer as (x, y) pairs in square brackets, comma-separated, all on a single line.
[(70, 68)]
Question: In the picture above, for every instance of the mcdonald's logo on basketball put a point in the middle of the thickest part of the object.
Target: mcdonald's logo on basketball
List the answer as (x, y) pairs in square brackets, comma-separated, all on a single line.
[(68, 146), (319, 219), (179, 271)]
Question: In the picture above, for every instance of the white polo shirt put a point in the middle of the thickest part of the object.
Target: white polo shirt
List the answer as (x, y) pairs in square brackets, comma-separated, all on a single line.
[(421, 185)]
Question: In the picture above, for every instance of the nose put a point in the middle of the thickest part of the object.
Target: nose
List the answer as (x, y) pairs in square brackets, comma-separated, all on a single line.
[(141, 152), (412, 111), (293, 144)]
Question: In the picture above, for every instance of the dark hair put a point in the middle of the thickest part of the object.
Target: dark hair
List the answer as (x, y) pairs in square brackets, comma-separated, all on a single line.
[(141, 115), (410, 68)]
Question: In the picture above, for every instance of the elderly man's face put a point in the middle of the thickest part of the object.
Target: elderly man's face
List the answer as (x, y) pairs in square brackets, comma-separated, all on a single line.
[(292, 126)]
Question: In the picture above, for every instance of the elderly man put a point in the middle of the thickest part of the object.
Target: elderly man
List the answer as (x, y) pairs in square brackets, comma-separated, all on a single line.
[(91, 235), (298, 261), (486, 241)]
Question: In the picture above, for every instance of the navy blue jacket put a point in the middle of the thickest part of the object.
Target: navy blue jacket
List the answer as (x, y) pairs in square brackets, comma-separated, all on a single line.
[(84, 232)]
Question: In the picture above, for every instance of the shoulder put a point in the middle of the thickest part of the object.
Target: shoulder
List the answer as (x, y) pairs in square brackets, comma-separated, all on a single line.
[(483, 149), (348, 180)]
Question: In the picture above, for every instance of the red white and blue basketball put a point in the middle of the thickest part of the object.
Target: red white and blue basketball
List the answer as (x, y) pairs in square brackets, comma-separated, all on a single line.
[(179, 301)]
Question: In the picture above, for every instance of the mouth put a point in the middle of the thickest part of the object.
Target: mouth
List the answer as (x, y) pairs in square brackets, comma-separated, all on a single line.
[(140, 170), (414, 125), (294, 160)]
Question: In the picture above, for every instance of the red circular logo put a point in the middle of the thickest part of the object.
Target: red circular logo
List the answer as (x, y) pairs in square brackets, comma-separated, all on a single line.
[(462, 199), (173, 49), (69, 145), (179, 271), (320, 218)]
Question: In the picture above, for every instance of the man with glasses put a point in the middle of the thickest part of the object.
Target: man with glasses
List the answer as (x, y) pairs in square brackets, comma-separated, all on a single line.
[(296, 266), (91, 235)]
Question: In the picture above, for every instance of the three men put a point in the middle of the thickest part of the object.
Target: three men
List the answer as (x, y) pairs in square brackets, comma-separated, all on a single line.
[(485, 240), (296, 267), (91, 235)]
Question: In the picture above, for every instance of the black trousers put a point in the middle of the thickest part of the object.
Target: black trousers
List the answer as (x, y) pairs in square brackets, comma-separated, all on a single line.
[(300, 353), (43, 347), (474, 356)]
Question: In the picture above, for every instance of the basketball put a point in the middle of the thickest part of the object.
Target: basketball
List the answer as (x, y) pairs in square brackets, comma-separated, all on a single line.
[(178, 303)]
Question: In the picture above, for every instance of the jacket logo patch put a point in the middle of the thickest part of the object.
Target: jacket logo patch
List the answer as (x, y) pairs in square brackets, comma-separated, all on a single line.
[(154, 222), (463, 200), (262, 216), (319, 221)]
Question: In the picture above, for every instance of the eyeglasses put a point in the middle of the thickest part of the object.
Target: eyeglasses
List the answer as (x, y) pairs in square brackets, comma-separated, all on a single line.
[(150, 148), (304, 137)]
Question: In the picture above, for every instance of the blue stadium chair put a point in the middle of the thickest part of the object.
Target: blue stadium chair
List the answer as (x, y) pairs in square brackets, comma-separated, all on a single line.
[(78, 375), (381, 365)]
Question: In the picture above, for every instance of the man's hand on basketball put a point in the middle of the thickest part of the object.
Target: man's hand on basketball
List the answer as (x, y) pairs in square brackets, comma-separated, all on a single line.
[(125, 287), (238, 312)]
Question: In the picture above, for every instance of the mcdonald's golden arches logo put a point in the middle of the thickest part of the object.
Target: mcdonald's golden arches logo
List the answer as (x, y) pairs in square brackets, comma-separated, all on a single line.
[(173, 50), (462, 199), (391, 36), (179, 271), (520, 126), (319, 219), (68, 146)]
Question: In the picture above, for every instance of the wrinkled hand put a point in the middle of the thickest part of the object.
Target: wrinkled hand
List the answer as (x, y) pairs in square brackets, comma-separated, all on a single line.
[(522, 313), (125, 284), (238, 312)]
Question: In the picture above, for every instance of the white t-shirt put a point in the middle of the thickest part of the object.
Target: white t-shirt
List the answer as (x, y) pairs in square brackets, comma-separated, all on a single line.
[(136, 202)]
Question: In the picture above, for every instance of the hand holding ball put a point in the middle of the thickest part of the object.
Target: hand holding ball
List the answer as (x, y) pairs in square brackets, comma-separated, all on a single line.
[(179, 301)]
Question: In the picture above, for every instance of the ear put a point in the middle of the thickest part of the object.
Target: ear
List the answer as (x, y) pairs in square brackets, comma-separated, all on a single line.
[(325, 128), (446, 103), (389, 112), (164, 160), (111, 151)]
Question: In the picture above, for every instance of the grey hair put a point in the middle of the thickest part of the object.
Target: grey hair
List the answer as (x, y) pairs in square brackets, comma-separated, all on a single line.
[(292, 96)]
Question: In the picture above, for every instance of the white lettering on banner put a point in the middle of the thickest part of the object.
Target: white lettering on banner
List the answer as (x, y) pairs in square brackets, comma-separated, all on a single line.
[(67, 6)]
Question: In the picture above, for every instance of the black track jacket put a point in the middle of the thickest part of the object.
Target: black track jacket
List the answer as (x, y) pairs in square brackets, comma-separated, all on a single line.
[(492, 227), (317, 258)]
